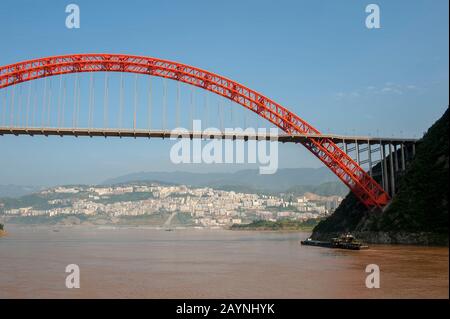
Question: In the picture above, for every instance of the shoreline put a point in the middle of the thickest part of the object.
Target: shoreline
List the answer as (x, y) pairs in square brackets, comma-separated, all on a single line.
[(154, 227), (272, 230), (212, 229)]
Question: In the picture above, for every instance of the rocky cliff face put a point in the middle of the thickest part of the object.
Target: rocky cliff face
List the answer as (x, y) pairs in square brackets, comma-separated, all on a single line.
[(418, 214)]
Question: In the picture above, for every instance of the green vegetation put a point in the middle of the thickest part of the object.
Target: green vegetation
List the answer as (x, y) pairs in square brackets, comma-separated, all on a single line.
[(37, 201), (127, 197), (421, 203), (50, 220), (1, 227), (155, 219), (284, 224), (418, 213)]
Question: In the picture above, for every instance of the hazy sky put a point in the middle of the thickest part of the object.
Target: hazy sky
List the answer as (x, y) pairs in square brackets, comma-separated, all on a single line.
[(315, 57)]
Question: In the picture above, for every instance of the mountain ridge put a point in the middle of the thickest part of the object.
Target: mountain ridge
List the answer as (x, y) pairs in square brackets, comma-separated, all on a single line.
[(284, 180), (17, 190)]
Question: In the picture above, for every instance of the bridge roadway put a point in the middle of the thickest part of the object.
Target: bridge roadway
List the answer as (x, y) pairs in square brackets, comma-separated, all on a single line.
[(394, 153), (135, 133)]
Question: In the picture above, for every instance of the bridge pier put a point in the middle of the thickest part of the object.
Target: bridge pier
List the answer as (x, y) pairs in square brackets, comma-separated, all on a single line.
[(385, 161), (396, 166), (391, 169), (384, 167), (402, 149), (369, 154), (394, 157)]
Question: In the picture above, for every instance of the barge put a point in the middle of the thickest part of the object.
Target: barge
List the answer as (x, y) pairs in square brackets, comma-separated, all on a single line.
[(346, 241)]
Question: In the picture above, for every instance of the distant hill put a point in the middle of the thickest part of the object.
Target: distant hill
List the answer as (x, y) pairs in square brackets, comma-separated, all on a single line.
[(299, 181), (418, 214), (288, 179), (15, 191), (325, 189)]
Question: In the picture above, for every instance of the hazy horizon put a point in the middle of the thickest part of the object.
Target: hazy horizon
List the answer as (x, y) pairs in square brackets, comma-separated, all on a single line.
[(199, 171)]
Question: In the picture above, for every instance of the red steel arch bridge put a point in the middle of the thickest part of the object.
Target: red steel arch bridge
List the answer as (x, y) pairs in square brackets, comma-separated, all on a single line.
[(54, 107)]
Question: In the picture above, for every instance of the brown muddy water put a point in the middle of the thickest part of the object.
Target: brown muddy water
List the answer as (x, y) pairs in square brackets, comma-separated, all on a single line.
[(192, 263)]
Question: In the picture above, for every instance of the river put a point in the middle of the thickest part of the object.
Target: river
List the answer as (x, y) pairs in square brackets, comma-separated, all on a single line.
[(191, 263)]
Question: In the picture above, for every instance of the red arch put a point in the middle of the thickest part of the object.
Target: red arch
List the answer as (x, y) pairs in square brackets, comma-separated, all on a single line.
[(361, 183)]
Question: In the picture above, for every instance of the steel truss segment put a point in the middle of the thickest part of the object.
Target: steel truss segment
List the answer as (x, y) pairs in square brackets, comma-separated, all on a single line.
[(359, 181)]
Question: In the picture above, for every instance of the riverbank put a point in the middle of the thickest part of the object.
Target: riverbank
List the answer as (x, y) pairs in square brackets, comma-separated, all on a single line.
[(282, 225), (156, 220)]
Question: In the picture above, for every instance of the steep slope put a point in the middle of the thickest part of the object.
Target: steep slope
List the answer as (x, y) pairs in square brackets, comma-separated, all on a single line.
[(419, 211), (17, 190)]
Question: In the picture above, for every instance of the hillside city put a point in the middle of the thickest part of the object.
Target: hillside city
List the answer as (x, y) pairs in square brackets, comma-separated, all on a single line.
[(203, 207)]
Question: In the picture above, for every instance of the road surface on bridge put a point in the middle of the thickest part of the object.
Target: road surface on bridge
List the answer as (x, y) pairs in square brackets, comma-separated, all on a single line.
[(235, 135)]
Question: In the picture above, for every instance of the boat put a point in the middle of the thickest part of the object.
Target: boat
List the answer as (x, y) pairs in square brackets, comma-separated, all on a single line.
[(345, 241)]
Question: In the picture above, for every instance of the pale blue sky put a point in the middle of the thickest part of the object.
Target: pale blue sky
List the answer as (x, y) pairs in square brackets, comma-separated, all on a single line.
[(315, 57)]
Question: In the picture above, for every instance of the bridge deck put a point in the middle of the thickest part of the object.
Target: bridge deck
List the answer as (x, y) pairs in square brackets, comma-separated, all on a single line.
[(135, 133)]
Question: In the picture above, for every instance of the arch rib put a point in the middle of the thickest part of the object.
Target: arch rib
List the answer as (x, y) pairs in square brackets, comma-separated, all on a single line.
[(359, 181)]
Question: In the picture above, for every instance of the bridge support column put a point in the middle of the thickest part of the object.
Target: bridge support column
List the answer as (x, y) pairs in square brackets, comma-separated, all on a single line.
[(357, 152), (395, 158), (384, 179), (369, 157), (402, 149), (391, 164)]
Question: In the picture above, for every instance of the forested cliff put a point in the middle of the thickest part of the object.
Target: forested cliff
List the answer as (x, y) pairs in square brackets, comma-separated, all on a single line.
[(418, 213)]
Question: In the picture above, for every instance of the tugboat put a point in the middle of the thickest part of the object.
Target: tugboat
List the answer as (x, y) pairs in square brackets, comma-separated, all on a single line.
[(347, 241), (344, 241)]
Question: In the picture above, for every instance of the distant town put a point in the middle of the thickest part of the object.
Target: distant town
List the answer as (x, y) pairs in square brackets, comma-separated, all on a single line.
[(165, 205)]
